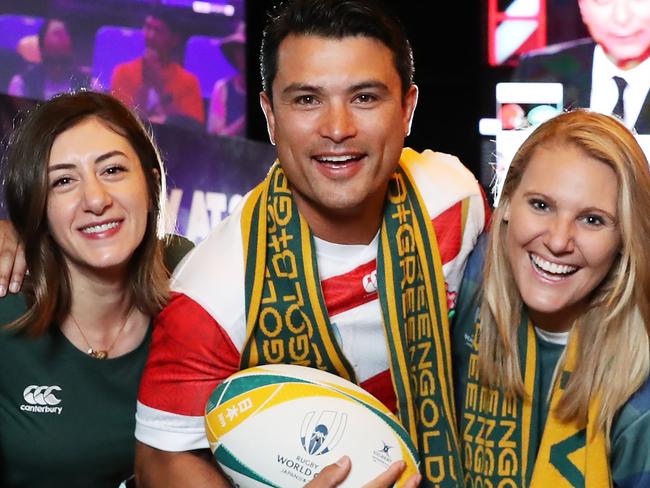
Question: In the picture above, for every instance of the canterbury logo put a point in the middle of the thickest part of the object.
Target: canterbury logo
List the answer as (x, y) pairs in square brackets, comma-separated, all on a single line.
[(369, 282), (41, 395)]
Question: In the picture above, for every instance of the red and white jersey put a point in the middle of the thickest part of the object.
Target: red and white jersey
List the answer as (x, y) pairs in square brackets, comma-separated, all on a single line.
[(198, 337)]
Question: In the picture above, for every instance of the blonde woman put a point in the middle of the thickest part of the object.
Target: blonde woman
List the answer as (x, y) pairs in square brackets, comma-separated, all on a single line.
[(551, 338)]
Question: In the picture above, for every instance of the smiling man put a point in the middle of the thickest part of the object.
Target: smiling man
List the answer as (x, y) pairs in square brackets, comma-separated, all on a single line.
[(609, 72), (346, 258)]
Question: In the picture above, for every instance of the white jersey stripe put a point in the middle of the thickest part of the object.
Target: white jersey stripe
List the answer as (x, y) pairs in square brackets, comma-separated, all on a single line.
[(169, 431)]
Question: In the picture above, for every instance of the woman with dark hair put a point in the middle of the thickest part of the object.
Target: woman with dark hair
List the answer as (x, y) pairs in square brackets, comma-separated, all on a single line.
[(551, 349), (84, 187)]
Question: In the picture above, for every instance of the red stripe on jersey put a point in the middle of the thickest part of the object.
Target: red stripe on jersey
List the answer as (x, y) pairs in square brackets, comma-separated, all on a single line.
[(190, 355), (449, 232), (354, 288), (381, 387), (351, 289)]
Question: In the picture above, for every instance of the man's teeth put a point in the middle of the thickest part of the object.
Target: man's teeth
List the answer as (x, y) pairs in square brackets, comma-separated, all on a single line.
[(336, 159), (552, 268), (99, 228)]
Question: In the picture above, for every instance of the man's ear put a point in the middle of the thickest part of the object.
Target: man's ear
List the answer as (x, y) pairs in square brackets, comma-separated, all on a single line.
[(410, 102), (267, 108)]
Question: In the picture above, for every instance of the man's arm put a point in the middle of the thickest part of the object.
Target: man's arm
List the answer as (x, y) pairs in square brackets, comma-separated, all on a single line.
[(189, 355), (191, 469)]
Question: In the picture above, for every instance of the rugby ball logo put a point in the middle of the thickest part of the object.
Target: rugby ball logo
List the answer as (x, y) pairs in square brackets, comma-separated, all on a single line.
[(279, 425), (319, 435)]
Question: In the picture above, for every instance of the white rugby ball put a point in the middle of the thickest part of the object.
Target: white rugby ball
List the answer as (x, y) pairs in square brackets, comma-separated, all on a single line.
[(279, 425)]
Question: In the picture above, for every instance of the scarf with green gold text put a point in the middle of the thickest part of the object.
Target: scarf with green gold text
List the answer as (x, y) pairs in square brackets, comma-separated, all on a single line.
[(497, 430), (287, 321)]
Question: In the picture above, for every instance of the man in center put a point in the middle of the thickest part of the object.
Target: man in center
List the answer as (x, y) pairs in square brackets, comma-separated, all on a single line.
[(347, 257)]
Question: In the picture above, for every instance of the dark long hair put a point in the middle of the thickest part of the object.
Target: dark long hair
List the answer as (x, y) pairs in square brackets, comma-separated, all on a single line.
[(25, 181)]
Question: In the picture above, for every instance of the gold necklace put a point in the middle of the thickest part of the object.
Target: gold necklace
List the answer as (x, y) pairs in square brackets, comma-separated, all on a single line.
[(101, 353)]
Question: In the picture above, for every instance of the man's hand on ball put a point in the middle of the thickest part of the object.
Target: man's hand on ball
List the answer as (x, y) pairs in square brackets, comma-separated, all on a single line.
[(334, 474)]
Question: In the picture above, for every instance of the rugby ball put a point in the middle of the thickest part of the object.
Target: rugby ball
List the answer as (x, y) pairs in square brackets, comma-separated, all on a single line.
[(279, 425)]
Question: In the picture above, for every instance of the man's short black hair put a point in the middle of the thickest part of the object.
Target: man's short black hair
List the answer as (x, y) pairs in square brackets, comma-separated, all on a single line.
[(334, 19)]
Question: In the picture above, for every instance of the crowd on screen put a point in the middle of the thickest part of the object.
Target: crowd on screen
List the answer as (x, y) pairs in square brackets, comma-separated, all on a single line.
[(153, 80)]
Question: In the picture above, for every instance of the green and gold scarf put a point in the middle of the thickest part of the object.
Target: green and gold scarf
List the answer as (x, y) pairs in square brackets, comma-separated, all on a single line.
[(499, 432), (287, 321)]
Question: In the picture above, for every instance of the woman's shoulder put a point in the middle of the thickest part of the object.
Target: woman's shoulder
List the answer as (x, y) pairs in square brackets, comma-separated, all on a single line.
[(476, 260), (635, 409), (468, 302), (470, 289), (15, 343), (12, 306), (630, 451)]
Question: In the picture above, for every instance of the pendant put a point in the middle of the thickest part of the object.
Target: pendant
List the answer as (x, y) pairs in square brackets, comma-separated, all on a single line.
[(97, 354)]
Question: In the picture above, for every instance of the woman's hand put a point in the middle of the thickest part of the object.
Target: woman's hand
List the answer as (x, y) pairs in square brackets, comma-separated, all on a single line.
[(334, 474)]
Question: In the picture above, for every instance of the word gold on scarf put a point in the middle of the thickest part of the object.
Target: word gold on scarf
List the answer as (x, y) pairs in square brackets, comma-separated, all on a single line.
[(286, 319), (283, 268)]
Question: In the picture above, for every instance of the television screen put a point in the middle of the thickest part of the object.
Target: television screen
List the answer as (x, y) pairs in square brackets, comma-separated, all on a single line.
[(595, 52), (177, 62)]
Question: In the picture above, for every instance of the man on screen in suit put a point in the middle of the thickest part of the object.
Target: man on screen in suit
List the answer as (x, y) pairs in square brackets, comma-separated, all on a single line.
[(609, 72)]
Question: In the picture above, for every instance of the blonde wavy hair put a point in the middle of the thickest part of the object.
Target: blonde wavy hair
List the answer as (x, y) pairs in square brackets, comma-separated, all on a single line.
[(613, 359)]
